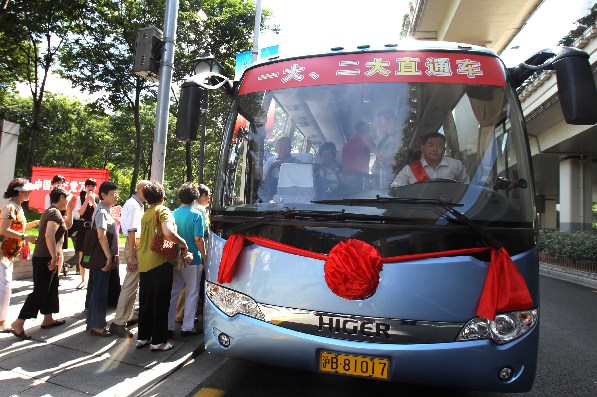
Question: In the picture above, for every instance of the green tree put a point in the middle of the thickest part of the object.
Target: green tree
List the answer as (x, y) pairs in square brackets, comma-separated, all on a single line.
[(67, 127), (227, 31), (583, 23), (35, 30), (12, 64), (102, 59)]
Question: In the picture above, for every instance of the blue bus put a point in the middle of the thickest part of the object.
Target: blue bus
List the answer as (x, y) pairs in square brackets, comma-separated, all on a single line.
[(373, 213)]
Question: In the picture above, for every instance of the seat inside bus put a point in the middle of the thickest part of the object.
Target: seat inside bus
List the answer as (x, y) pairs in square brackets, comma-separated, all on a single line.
[(295, 184)]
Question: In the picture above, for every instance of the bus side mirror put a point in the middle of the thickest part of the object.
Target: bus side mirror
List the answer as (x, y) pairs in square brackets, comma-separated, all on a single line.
[(576, 88), (189, 111), (576, 85)]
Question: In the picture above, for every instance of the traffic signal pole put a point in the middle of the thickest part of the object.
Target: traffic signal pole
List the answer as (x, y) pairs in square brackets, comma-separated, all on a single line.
[(158, 157)]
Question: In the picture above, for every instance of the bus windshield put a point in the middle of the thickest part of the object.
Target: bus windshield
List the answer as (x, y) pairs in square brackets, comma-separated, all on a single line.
[(325, 147)]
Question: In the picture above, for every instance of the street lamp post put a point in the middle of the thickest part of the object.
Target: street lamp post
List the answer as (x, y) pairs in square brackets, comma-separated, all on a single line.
[(206, 65), (158, 157)]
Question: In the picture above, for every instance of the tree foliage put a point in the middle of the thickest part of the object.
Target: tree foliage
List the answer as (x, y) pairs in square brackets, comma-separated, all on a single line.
[(96, 54), (35, 30), (583, 23), (101, 59)]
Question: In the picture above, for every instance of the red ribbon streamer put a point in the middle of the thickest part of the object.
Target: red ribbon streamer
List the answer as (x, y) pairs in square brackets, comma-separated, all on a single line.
[(352, 271)]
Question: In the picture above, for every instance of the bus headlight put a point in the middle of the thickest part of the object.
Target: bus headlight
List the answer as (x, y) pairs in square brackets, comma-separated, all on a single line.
[(232, 302), (505, 328)]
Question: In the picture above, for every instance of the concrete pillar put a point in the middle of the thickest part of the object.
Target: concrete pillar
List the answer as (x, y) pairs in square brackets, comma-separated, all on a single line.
[(9, 137), (575, 194), (549, 218)]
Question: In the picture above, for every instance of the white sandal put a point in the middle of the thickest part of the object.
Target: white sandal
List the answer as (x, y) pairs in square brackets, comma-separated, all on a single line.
[(141, 343), (161, 347)]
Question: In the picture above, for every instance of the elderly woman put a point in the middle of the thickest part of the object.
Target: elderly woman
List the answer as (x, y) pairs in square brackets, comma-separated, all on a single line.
[(12, 235), (190, 223), (105, 226), (155, 271), (47, 258)]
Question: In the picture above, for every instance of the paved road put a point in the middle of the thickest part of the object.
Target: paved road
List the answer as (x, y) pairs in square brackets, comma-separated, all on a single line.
[(567, 360)]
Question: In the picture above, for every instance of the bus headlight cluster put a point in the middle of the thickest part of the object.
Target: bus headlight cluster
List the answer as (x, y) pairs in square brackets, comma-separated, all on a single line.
[(505, 328), (232, 302)]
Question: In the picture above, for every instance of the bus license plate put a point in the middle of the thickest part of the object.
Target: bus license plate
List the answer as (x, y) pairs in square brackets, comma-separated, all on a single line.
[(348, 364)]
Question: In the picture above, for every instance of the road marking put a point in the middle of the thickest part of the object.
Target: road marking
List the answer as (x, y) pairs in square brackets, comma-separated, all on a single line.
[(209, 392)]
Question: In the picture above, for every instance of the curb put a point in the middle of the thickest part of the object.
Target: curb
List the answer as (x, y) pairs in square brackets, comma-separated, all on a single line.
[(574, 276)]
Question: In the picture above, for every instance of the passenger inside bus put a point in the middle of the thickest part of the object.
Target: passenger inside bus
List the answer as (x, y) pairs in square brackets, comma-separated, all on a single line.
[(389, 142), (271, 169), (356, 152), (327, 173), (432, 164)]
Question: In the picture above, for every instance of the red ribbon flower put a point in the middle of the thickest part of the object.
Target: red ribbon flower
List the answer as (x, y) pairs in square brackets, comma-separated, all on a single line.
[(352, 269)]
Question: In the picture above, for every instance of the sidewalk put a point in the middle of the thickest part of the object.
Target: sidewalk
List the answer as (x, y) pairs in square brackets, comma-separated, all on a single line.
[(68, 361)]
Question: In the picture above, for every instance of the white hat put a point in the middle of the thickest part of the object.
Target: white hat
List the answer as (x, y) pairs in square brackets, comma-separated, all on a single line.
[(27, 187)]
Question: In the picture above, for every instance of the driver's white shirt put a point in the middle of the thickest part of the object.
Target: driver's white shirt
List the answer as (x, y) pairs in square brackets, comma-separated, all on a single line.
[(448, 168)]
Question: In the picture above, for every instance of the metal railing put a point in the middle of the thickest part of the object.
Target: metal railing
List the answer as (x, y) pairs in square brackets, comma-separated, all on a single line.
[(580, 265)]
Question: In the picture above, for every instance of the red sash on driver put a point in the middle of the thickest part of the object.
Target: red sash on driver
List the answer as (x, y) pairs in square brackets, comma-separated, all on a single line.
[(418, 171)]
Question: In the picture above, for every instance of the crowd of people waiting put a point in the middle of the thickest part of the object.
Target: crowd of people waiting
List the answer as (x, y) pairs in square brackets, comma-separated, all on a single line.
[(168, 289)]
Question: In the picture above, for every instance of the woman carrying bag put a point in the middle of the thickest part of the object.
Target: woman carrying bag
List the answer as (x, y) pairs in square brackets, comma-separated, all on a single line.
[(155, 270), (12, 236), (46, 261), (107, 243)]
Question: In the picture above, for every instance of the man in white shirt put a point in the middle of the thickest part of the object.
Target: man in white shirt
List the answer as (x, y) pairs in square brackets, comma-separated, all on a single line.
[(130, 223), (432, 165)]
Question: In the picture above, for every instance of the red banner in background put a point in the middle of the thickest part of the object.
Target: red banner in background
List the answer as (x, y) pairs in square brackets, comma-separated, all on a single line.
[(75, 181)]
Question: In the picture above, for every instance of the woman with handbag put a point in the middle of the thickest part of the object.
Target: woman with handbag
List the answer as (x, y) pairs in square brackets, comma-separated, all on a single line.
[(47, 259), (156, 258), (102, 258), (12, 235)]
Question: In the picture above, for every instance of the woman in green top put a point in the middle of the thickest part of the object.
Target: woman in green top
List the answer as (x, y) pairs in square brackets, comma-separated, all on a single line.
[(155, 271)]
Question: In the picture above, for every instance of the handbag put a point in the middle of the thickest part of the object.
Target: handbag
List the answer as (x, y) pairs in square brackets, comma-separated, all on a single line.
[(25, 251), (11, 247), (160, 245), (93, 254)]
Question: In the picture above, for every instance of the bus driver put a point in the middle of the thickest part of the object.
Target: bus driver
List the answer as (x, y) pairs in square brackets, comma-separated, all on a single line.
[(432, 164)]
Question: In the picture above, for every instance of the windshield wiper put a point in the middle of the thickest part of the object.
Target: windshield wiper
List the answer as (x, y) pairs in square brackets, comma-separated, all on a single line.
[(283, 214), (382, 200), (448, 206)]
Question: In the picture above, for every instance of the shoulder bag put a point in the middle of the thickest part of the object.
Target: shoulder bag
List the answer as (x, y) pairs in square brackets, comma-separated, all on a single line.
[(93, 254), (159, 244)]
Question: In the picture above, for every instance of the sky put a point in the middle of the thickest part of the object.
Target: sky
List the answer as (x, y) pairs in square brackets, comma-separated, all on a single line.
[(313, 25), (552, 21)]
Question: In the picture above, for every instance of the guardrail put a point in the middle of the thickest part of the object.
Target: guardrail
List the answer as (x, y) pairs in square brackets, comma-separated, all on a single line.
[(574, 264)]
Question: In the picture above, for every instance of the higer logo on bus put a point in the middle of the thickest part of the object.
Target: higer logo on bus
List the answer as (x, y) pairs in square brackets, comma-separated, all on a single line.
[(351, 326)]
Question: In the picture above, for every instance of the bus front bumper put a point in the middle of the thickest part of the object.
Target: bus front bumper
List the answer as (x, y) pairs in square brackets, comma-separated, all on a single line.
[(467, 365)]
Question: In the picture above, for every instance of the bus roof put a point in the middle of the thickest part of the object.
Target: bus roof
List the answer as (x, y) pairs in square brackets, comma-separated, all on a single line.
[(407, 44)]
